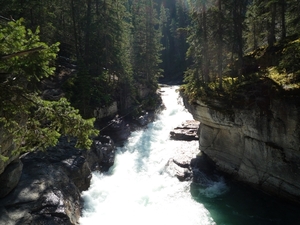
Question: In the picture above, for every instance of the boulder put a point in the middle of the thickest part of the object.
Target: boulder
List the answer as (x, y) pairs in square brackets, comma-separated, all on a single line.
[(142, 120), (187, 131), (102, 156), (118, 129), (10, 177), (196, 168), (10, 166), (106, 112), (180, 164), (185, 171)]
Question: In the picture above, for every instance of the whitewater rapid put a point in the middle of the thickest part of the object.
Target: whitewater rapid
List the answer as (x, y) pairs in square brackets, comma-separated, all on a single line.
[(139, 188)]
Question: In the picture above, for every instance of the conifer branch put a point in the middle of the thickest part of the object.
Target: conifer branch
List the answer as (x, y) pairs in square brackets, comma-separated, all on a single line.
[(22, 52)]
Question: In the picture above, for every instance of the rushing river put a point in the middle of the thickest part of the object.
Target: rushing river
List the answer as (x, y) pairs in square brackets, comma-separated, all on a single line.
[(140, 190)]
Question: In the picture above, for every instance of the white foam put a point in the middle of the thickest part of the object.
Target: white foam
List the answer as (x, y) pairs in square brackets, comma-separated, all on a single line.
[(214, 188), (137, 189)]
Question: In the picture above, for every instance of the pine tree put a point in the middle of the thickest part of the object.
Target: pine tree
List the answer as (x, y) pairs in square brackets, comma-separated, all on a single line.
[(146, 45), (254, 28), (179, 34), (293, 17), (220, 19), (164, 18), (174, 38), (198, 43), (33, 123), (103, 55)]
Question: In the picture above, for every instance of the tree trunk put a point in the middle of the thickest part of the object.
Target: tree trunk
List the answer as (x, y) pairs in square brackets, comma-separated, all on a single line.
[(205, 45), (271, 36), (220, 43), (255, 42), (87, 32), (74, 28), (283, 25), (238, 13)]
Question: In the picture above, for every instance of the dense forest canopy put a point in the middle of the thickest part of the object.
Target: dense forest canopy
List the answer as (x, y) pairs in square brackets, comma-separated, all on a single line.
[(97, 52), (233, 41), (101, 51)]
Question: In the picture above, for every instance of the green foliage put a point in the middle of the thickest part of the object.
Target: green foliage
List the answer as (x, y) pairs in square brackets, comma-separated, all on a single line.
[(32, 122), (88, 92), (14, 38), (222, 34), (113, 47), (173, 21), (103, 54), (146, 46), (290, 60), (50, 120), (3, 158)]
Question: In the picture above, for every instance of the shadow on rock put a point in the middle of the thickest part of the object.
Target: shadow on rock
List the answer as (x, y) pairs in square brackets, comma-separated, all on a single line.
[(51, 182)]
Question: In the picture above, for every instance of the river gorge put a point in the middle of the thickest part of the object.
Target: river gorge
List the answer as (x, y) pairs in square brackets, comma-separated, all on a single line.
[(141, 187), (150, 178)]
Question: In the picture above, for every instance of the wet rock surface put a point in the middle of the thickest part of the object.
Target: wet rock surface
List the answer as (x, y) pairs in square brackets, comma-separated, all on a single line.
[(194, 168), (187, 131), (188, 162), (180, 164), (120, 128), (49, 188), (117, 128)]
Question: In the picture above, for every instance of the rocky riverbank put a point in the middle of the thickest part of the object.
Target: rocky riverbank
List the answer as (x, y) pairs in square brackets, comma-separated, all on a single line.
[(256, 146), (45, 187), (51, 182)]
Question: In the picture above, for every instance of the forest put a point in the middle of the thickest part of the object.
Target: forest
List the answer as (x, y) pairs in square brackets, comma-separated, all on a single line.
[(100, 51)]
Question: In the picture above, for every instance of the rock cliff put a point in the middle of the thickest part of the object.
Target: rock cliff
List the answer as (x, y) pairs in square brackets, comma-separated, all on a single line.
[(261, 148)]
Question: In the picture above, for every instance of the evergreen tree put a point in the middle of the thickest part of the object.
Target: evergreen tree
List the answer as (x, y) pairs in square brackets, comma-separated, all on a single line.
[(104, 66), (174, 38), (254, 28), (164, 19), (182, 21), (293, 17), (215, 40), (199, 71), (34, 123), (267, 22), (146, 45), (238, 18)]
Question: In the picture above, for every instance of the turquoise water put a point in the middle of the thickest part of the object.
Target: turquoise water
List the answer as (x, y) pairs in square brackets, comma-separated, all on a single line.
[(243, 205), (141, 187)]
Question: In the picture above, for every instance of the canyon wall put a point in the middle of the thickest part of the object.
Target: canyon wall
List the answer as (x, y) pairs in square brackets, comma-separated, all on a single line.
[(261, 148)]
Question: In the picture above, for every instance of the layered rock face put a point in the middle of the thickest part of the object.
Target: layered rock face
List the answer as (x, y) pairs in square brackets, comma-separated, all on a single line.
[(187, 131), (258, 147)]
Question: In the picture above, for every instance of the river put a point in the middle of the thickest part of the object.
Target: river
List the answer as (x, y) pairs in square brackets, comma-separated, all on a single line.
[(141, 189)]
